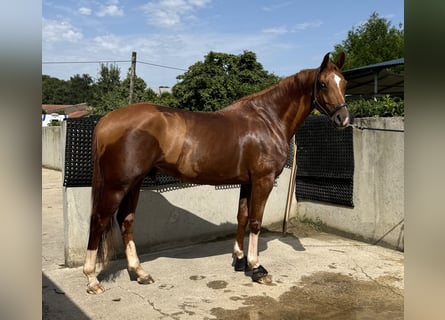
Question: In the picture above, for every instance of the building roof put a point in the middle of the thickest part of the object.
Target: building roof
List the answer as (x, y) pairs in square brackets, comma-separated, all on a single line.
[(50, 108), (376, 79), (72, 111)]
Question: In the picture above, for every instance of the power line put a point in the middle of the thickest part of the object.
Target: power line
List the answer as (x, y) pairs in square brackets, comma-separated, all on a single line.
[(114, 61), (161, 66), (97, 61)]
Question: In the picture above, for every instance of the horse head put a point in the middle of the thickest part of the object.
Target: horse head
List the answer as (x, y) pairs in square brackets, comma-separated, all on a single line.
[(329, 91)]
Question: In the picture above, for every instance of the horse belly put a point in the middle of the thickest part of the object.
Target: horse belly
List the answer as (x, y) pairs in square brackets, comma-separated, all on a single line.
[(215, 165)]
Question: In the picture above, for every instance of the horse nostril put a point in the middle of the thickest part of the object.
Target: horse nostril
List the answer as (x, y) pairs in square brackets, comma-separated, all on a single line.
[(338, 119)]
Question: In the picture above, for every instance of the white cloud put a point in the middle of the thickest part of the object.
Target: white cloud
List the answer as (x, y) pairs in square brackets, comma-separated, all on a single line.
[(306, 25), (60, 30), (111, 43), (279, 30), (199, 3), (276, 30), (111, 10), (273, 7), (85, 11), (169, 13)]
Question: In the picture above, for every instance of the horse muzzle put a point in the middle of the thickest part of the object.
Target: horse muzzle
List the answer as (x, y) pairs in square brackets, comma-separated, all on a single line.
[(340, 116)]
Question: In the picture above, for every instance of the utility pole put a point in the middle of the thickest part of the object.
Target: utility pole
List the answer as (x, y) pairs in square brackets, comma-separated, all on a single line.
[(132, 75)]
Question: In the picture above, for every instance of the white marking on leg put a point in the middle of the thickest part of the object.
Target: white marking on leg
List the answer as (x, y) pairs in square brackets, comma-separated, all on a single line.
[(237, 250), (132, 256), (89, 269), (135, 265), (252, 255)]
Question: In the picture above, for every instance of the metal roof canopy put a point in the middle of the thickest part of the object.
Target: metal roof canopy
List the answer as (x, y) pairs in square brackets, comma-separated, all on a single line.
[(375, 79)]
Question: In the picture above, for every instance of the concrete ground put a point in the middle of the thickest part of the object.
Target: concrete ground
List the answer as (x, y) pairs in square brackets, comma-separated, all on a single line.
[(315, 276)]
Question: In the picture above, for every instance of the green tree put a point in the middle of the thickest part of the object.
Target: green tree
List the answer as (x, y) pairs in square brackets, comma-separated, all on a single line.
[(112, 94), (166, 99), (220, 79), (80, 88), (109, 77), (141, 93), (110, 101), (372, 42), (54, 90), (107, 90)]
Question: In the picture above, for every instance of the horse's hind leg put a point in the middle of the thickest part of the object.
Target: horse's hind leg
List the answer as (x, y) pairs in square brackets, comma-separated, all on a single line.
[(125, 218), (100, 229), (240, 263)]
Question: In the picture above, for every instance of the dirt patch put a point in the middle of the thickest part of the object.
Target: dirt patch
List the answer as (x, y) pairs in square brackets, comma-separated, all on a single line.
[(324, 295), (217, 284), (297, 228)]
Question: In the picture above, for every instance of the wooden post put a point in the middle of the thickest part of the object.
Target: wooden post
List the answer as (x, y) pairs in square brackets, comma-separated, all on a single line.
[(132, 76), (292, 182)]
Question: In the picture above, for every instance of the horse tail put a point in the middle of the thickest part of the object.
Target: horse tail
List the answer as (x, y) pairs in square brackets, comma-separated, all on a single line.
[(105, 249)]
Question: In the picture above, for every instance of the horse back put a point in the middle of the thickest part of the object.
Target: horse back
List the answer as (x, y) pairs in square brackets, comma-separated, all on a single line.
[(198, 147)]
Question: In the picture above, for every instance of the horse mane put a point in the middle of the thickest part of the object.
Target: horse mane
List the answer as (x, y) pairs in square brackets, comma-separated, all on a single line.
[(293, 82)]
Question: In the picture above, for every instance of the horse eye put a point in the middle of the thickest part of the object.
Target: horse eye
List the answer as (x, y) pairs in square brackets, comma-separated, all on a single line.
[(323, 85)]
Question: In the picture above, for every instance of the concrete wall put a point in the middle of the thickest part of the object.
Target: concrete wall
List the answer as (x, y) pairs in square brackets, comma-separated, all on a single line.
[(170, 218), (378, 215), (53, 141)]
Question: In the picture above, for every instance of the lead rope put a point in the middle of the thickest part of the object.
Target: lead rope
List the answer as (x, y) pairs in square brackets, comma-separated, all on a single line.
[(373, 129)]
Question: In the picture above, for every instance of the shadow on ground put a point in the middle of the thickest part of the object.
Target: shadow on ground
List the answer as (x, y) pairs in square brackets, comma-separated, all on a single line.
[(56, 305), (212, 248)]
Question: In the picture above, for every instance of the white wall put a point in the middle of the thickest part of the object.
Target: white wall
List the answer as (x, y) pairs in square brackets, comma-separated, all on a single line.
[(53, 144)]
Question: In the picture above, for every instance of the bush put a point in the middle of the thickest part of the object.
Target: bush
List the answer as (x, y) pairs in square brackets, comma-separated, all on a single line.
[(385, 106), (54, 123)]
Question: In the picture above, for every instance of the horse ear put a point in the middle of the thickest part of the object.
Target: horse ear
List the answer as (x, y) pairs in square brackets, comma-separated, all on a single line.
[(325, 61), (341, 60)]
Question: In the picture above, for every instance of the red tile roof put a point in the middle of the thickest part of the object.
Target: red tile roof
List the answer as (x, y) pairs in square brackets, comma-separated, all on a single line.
[(78, 114), (72, 111), (54, 107)]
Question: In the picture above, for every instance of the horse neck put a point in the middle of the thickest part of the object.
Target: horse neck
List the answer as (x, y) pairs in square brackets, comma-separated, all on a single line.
[(289, 102)]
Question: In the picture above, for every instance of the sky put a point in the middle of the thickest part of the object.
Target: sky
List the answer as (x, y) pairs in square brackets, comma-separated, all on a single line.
[(169, 36)]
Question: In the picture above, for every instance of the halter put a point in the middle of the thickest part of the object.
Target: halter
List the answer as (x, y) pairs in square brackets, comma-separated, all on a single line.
[(317, 104)]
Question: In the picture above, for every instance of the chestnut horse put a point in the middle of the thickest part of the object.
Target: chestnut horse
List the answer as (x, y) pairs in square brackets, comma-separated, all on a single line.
[(246, 143)]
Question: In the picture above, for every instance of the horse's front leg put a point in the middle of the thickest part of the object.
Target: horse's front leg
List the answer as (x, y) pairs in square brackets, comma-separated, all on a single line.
[(260, 193), (240, 262)]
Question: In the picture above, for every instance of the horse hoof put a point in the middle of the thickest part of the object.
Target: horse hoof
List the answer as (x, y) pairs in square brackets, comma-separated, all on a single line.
[(240, 264), (145, 279), (265, 280), (261, 275), (95, 288)]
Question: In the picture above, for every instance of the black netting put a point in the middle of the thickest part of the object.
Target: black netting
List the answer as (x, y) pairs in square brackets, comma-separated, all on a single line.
[(79, 134), (325, 162), (160, 179), (337, 191)]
